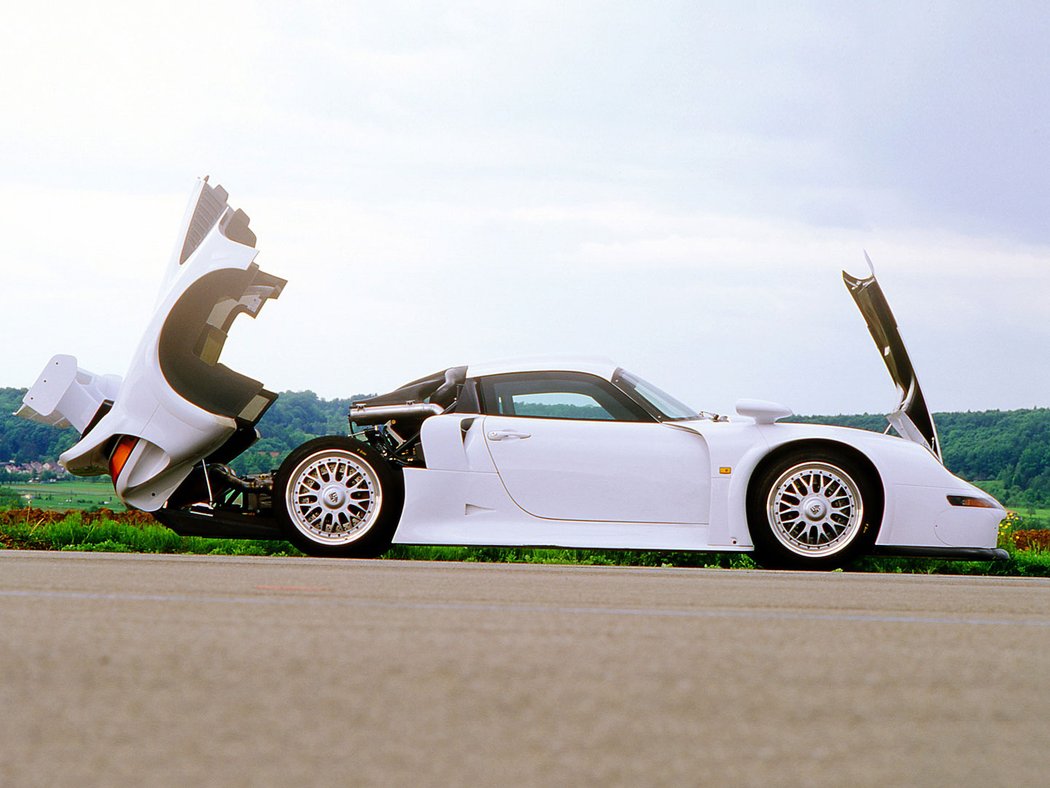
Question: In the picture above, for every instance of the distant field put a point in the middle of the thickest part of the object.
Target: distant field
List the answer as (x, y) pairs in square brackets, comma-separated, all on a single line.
[(79, 495)]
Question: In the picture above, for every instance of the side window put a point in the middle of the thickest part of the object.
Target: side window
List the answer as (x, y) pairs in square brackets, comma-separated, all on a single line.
[(558, 405), (557, 395)]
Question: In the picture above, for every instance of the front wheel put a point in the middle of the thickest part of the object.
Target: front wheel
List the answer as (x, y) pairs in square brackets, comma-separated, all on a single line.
[(336, 497), (813, 509)]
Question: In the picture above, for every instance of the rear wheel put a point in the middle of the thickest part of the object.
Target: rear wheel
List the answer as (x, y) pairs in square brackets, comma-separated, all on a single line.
[(813, 509), (336, 497)]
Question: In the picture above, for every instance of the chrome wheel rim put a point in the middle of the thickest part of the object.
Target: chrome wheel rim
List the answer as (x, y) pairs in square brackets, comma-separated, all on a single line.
[(815, 509), (333, 497)]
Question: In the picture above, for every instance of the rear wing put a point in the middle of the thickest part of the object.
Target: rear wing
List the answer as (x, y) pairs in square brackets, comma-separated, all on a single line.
[(65, 395)]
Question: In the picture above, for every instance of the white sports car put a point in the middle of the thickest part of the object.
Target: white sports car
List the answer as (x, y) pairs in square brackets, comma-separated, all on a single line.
[(577, 453)]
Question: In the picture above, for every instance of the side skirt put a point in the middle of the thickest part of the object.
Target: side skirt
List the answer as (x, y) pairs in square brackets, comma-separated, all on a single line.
[(953, 553)]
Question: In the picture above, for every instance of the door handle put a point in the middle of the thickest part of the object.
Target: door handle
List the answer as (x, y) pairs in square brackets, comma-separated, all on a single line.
[(503, 435)]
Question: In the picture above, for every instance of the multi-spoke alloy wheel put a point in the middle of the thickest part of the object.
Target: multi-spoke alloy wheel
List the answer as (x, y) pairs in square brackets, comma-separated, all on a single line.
[(813, 509), (335, 496)]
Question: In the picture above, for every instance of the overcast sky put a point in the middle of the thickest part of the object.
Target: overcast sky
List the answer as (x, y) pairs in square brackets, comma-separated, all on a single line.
[(674, 185)]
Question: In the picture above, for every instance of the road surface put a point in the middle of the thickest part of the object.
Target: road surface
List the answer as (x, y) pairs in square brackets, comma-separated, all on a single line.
[(135, 670)]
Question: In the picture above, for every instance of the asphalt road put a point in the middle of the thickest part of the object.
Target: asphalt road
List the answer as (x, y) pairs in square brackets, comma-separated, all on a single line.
[(147, 670)]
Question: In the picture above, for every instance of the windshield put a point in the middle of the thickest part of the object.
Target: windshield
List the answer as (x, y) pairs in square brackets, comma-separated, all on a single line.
[(659, 403)]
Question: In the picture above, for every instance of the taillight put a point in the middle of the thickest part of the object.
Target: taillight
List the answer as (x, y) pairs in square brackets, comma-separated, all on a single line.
[(119, 458)]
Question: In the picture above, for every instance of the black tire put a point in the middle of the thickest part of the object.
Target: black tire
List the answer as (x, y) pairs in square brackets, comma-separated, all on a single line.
[(336, 497), (813, 509)]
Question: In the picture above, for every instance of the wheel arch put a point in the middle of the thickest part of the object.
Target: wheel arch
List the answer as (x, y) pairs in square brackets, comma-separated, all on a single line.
[(831, 446), (389, 487)]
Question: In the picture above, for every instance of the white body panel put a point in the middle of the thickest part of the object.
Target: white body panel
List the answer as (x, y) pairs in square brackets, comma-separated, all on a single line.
[(464, 497), (602, 471), (592, 365), (173, 433)]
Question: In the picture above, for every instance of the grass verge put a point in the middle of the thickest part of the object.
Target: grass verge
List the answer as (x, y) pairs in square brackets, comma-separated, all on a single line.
[(30, 529), (135, 532), (558, 555)]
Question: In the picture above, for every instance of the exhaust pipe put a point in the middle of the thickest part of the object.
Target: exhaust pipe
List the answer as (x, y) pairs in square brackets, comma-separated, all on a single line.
[(378, 414)]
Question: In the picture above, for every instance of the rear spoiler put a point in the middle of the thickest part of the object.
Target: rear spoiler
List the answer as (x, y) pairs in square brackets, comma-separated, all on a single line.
[(65, 395)]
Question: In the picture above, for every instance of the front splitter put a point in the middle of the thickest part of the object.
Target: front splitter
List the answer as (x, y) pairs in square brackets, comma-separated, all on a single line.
[(951, 553)]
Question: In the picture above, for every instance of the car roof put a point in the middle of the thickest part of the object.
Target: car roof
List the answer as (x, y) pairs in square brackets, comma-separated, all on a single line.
[(594, 365)]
